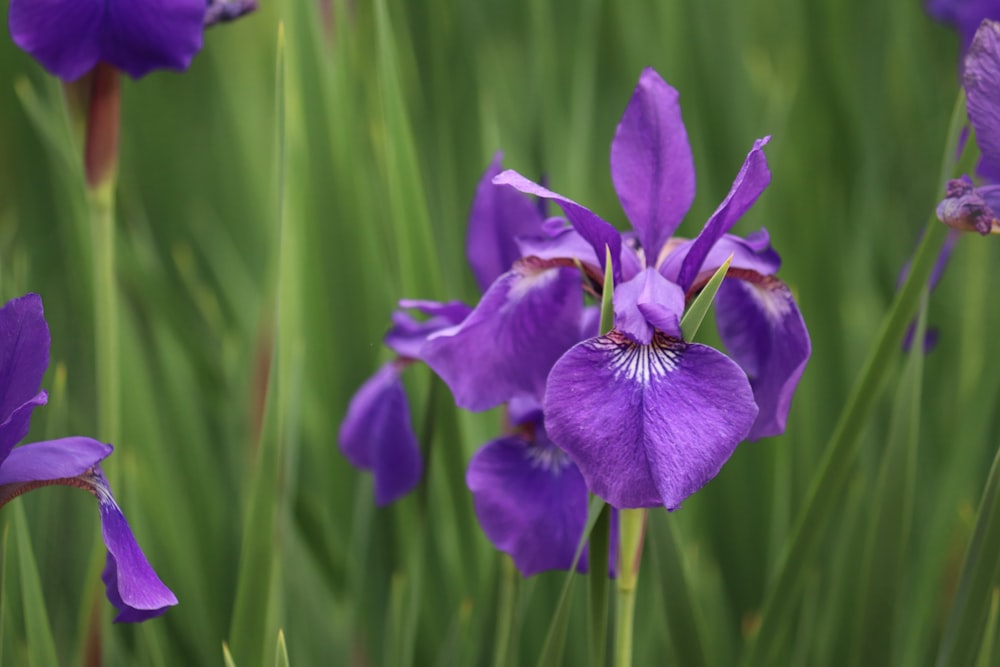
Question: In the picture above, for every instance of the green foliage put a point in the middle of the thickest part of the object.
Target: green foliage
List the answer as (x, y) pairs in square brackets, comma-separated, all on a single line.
[(266, 226)]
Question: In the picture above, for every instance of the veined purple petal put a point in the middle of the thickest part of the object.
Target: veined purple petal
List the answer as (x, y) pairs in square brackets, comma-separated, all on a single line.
[(531, 502), (69, 37), (523, 323), (651, 163), (982, 89), (376, 435), (52, 459), (597, 232), (24, 356), (408, 335), (762, 328), (753, 253), (499, 215), (753, 178), (646, 303), (647, 425), (131, 584)]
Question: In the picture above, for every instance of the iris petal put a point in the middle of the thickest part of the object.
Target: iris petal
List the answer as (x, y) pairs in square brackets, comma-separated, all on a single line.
[(647, 425), (651, 163), (63, 35), (753, 178), (24, 356), (531, 502), (982, 88), (762, 328), (376, 435), (506, 347)]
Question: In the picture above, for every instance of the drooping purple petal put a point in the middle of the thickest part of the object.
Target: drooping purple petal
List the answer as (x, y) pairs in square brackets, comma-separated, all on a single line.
[(531, 502), (523, 323), (376, 435), (568, 243), (762, 329), (646, 303), (647, 425), (651, 163), (52, 459), (982, 89), (24, 356), (499, 215), (131, 584), (69, 37), (408, 335), (597, 232), (750, 182)]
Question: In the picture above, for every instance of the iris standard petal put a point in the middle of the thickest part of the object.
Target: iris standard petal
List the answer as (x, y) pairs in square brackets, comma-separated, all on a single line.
[(130, 582), (762, 329), (523, 323), (376, 435), (750, 182), (24, 356), (651, 163), (142, 35), (597, 232), (531, 502), (982, 89), (63, 35), (650, 424), (52, 460), (499, 215), (646, 303)]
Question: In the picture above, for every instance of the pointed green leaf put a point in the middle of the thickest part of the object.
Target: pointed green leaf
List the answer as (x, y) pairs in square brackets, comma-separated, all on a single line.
[(607, 294), (227, 657), (696, 312), (41, 645), (281, 651)]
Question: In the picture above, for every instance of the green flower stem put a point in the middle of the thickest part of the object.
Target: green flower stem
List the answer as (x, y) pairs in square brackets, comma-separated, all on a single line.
[(100, 166), (632, 528)]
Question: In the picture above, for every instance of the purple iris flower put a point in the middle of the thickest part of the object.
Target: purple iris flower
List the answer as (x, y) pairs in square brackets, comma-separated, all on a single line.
[(132, 585), (968, 207), (648, 417), (964, 15), (70, 37)]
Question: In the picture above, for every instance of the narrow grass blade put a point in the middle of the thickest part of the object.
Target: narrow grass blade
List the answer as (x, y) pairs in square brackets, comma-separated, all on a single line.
[(980, 575), (41, 648), (227, 658), (281, 651), (607, 294), (696, 312), (986, 657), (891, 515), (555, 638), (599, 586)]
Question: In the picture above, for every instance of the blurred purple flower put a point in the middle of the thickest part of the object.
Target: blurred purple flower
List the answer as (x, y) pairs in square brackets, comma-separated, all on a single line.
[(132, 585), (964, 15), (70, 37), (648, 417)]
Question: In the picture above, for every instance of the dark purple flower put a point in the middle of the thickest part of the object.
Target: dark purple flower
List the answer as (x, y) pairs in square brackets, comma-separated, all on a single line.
[(132, 585), (648, 417), (964, 15), (70, 37)]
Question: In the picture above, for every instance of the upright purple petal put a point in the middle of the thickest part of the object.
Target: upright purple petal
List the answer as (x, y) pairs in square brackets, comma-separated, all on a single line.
[(52, 459), (131, 584), (523, 323), (647, 303), (376, 435), (531, 502), (982, 89), (754, 176), (597, 232), (499, 215), (24, 356), (753, 253), (63, 35), (651, 163), (762, 329), (650, 424)]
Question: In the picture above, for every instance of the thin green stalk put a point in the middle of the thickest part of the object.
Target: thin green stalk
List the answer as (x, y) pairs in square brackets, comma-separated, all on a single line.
[(100, 202), (825, 492), (506, 611), (632, 526)]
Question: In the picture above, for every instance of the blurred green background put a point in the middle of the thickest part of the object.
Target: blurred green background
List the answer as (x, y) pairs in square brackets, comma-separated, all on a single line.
[(387, 114)]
